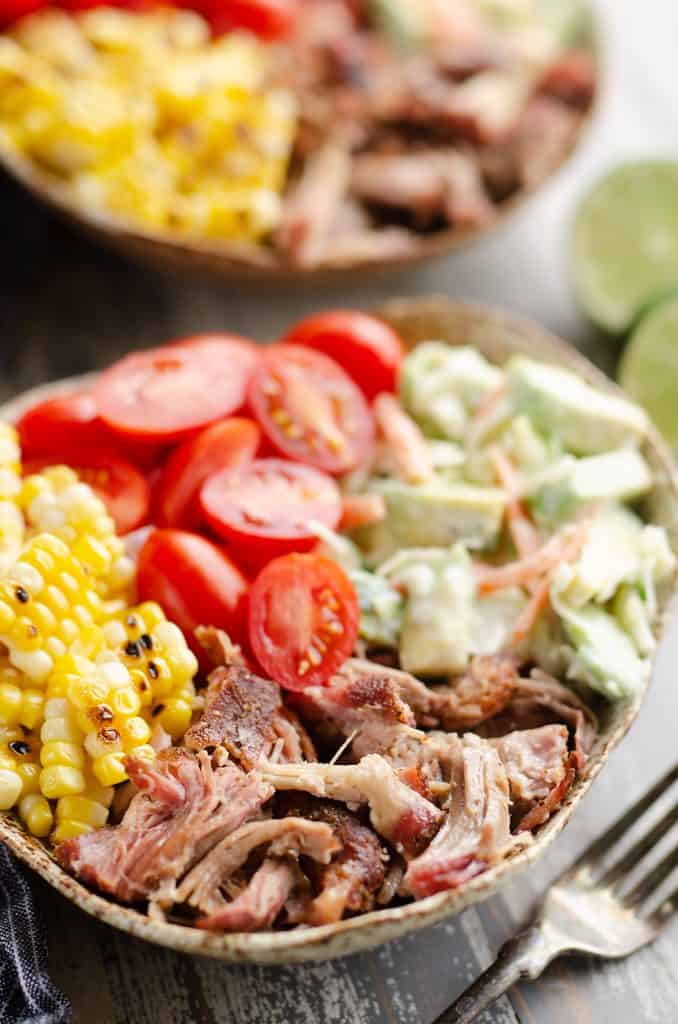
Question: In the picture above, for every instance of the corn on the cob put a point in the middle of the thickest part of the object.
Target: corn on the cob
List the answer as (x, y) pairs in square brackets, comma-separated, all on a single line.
[(56, 501), (161, 664)]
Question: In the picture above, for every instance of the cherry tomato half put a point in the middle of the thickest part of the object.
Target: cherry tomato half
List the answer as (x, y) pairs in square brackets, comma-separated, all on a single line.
[(65, 422), (303, 619), (195, 583), (310, 410), (270, 19), (166, 394), (264, 508), (367, 348), (122, 488), (12, 10), (223, 445)]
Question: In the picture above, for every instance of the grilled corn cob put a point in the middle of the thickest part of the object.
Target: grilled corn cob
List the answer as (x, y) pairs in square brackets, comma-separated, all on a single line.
[(56, 501), (160, 662)]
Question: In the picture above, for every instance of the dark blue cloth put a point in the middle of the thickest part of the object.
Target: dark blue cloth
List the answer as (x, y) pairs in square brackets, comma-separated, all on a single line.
[(27, 996)]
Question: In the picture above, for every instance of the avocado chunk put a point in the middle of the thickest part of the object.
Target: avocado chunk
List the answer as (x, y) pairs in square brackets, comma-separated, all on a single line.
[(381, 608), (436, 636), (441, 385), (619, 549), (586, 420), (606, 657), (572, 484), (432, 515)]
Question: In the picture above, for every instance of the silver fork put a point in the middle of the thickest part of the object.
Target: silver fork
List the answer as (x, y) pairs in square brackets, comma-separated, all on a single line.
[(596, 907)]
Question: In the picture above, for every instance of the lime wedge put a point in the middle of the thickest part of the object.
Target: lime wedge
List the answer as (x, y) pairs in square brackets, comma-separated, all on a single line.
[(625, 242), (649, 367)]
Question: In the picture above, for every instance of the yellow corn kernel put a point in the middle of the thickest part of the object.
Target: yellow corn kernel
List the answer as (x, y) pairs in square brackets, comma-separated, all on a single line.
[(143, 687), (144, 753), (59, 727), (58, 752), (134, 732), (10, 788), (85, 693), (29, 773), (109, 769), (125, 701), (69, 830), (10, 703), (36, 814), (7, 616), (94, 554), (103, 741), (175, 716), (61, 780), (81, 808), (32, 708), (151, 614)]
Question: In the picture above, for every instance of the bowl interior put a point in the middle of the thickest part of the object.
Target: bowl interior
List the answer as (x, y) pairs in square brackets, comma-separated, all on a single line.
[(498, 336)]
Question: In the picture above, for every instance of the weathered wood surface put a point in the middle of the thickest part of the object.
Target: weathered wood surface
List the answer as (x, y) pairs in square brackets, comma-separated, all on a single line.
[(65, 307)]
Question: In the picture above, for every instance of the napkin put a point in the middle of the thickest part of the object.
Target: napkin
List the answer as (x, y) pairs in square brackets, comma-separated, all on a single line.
[(27, 996)]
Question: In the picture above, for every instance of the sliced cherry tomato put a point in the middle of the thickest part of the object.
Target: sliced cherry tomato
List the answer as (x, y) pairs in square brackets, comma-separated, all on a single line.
[(367, 348), (270, 19), (122, 488), (195, 582), (264, 508), (224, 445), (65, 422), (303, 619), (168, 393), (12, 10), (310, 410)]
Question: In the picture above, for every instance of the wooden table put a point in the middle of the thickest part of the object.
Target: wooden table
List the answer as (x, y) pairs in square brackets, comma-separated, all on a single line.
[(66, 306)]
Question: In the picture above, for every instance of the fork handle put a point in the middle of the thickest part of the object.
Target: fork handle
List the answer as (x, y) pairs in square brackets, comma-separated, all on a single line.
[(526, 956)]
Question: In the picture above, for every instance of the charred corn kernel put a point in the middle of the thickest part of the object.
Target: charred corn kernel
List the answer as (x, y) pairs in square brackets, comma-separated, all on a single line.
[(81, 808), (69, 830), (134, 732), (175, 717), (36, 814), (57, 752), (29, 773), (109, 769), (103, 741), (61, 780), (10, 788)]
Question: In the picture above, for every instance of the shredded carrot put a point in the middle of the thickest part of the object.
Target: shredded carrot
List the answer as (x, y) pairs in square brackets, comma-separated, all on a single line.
[(361, 510), (540, 597), (404, 439), (525, 570), (488, 404), (522, 530)]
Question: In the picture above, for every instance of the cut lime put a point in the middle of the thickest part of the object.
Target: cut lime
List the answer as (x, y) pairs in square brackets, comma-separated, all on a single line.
[(625, 242), (649, 367)]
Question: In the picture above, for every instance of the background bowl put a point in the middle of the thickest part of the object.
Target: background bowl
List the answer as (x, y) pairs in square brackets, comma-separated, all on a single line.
[(233, 261), (498, 336)]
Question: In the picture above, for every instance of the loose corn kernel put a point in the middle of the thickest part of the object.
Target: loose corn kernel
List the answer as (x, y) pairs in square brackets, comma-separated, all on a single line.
[(61, 780), (10, 788), (109, 769), (35, 812)]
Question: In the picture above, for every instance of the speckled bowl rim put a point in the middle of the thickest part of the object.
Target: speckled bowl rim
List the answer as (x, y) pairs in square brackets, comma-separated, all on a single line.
[(245, 262), (499, 334)]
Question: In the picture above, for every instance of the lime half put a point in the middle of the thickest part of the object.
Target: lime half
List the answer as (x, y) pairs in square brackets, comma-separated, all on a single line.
[(649, 367), (625, 242)]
